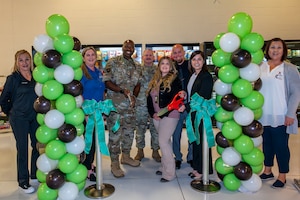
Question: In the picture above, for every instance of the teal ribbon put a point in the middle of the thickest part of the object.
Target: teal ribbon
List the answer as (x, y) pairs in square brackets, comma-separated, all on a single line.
[(94, 110), (204, 110)]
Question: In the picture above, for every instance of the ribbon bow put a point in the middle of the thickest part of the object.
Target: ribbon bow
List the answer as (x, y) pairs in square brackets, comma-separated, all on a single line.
[(204, 110), (94, 110)]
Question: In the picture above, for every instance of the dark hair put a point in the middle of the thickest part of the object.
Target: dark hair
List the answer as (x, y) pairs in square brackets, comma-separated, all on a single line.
[(284, 56), (204, 67)]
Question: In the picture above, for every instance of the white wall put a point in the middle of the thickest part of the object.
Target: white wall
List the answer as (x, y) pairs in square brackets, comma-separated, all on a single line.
[(144, 21)]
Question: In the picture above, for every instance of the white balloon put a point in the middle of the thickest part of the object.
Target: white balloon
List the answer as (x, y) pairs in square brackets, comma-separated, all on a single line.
[(64, 74), (222, 88), (253, 184), (76, 146), (230, 42), (46, 164), (43, 43), (79, 101), (69, 191), (219, 125), (54, 119), (251, 72), (231, 156), (38, 89), (243, 116), (257, 141)]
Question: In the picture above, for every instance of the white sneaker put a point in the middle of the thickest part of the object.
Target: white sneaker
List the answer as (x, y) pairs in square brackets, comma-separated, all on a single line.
[(27, 188)]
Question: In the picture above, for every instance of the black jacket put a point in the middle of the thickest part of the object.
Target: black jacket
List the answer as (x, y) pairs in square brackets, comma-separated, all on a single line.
[(164, 97)]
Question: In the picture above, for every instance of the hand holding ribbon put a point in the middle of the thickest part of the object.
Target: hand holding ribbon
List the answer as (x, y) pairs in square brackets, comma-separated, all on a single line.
[(204, 110), (94, 110)]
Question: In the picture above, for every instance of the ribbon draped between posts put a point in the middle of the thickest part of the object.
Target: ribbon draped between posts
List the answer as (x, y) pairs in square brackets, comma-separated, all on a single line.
[(204, 110), (94, 110)]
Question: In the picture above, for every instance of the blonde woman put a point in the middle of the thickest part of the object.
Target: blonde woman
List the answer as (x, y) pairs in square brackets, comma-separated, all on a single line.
[(16, 101), (162, 88)]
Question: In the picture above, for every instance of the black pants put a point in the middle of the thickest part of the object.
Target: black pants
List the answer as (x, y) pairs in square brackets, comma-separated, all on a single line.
[(21, 128)]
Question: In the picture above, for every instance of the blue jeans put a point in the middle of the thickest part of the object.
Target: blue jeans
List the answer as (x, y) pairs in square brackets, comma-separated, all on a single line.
[(177, 138)]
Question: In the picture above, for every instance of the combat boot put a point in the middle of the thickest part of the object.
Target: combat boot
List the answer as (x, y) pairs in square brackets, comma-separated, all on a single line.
[(140, 154), (156, 156), (116, 170), (127, 160)]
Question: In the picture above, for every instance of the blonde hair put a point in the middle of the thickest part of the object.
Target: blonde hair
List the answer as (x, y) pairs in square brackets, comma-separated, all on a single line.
[(83, 66), (17, 55), (165, 81)]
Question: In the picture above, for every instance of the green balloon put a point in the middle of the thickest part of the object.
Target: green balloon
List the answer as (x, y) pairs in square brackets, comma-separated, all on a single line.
[(222, 168), (257, 113), (45, 193), (81, 185), (80, 129), (241, 88), (63, 43), (240, 24), (55, 149), (51, 73), (231, 182), (65, 103), (44, 134), (252, 42), (73, 59), (228, 73), (40, 118), (76, 117), (68, 163), (37, 58), (231, 130), (41, 176), (218, 99), (56, 25), (257, 168), (217, 40), (257, 57), (78, 74), (255, 157), (220, 150), (243, 144), (221, 58), (40, 74), (223, 115), (254, 100), (78, 175), (52, 89)]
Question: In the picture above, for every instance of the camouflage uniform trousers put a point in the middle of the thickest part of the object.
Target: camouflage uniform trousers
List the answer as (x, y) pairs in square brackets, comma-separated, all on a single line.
[(121, 141), (142, 117)]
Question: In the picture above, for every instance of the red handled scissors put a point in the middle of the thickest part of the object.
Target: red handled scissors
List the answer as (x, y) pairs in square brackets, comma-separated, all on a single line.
[(174, 105)]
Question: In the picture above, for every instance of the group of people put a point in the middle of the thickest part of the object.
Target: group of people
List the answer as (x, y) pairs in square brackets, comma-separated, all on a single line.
[(139, 92)]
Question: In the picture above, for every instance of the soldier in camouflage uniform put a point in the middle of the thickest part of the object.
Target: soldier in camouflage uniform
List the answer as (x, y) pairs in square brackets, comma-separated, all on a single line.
[(142, 115), (122, 79)]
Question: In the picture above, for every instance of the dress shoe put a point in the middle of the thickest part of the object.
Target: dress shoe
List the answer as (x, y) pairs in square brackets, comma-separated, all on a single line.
[(158, 172), (163, 180), (266, 176), (278, 184), (178, 164)]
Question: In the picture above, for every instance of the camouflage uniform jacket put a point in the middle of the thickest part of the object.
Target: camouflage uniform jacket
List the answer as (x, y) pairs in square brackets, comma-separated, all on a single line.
[(124, 73)]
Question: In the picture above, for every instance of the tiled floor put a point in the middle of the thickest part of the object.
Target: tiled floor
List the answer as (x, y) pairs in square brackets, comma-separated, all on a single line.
[(141, 183)]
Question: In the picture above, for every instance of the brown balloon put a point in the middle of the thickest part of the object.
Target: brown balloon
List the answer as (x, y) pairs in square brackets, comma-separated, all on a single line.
[(51, 58), (222, 141), (230, 102), (67, 133), (73, 88), (243, 171), (257, 84), (77, 44), (55, 179), (240, 58), (42, 105), (254, 129)]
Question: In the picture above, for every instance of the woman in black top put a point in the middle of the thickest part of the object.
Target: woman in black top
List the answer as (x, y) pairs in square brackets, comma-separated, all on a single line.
[(16, 101)]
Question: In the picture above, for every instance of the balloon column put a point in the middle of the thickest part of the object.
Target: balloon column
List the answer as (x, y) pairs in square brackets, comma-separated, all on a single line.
[(60, 116), (237, 55)]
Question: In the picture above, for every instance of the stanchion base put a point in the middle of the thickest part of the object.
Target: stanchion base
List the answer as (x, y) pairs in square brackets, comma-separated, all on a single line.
[(93, 193), (211, 187)]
